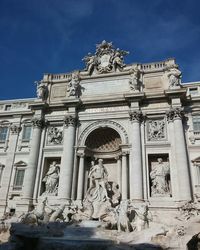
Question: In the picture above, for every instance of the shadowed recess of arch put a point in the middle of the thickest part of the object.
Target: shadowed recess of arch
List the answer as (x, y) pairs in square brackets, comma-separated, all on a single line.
[(103, 140)]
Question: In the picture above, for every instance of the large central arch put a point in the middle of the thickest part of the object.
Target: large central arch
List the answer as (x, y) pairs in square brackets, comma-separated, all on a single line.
[(103, 124), (107, 140)]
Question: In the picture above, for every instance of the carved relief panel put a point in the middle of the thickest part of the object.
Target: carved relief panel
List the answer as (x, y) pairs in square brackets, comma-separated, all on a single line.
[(54, 135), (156, 129)]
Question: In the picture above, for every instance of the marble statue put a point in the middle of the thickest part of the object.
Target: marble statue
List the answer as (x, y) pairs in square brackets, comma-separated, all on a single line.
[(55, 136), (123, 222), (134, 82), (106, 59), (174, 76), (51, 179), (101, 195), (42, 90), (91, 62), (159, 175), (57, 215), (37, 215), (142, 218), (118, 59), (98, 175), (73, 84)]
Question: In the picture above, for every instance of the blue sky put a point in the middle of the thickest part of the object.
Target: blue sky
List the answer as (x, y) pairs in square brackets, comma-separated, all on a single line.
[(52, 36)]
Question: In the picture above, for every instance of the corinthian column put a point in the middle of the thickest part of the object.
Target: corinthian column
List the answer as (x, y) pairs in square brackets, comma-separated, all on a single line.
[(183, 177), (80, 177), (136, 180), (124, 176), (30, 173), (66, 170)]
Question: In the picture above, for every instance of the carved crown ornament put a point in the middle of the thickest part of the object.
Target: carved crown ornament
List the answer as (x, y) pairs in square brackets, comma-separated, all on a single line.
[(106, 59)]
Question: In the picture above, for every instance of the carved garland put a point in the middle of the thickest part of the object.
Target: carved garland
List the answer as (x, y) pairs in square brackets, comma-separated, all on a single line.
[(103, 123), (15, 129)]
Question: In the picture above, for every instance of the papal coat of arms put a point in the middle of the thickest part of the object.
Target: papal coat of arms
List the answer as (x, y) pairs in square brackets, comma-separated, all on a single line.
[(106, 59)]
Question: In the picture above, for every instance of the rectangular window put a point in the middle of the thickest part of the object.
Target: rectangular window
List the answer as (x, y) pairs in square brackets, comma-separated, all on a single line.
[(3, 133), (26, 133), (193, 91), (19, 178), (8, 107), (196, 123)]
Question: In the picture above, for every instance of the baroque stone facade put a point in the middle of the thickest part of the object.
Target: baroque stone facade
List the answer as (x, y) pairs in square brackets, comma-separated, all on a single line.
[(110, 132)]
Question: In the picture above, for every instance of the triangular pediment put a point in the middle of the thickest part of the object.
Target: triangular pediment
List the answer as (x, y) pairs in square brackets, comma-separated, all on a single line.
[(21, 164), (196, 160)]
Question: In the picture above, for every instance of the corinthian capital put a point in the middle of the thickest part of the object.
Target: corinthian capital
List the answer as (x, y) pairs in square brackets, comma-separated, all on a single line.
[(70, 120), (38, 122), (136, 116), (15, 129), (175, 113)]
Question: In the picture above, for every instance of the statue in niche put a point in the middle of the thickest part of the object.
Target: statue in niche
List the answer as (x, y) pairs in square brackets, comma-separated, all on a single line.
[(42, 90), (73, 85), (98, 179), (51, 179), (101, 195), (156, 129), (55, 136), (160, 178), (134, 82), (174, 76)]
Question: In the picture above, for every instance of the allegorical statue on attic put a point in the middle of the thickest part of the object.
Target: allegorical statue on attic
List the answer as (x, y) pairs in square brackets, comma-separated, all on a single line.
[(106, 59), (174, 75), (73, 84), (134, 81), (42, 90)]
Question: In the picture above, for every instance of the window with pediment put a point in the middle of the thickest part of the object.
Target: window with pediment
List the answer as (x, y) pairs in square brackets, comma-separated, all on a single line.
[(3, 133), (19, 175)]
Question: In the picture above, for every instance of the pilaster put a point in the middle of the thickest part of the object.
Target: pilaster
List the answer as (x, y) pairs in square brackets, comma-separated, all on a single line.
[(15, 129)]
